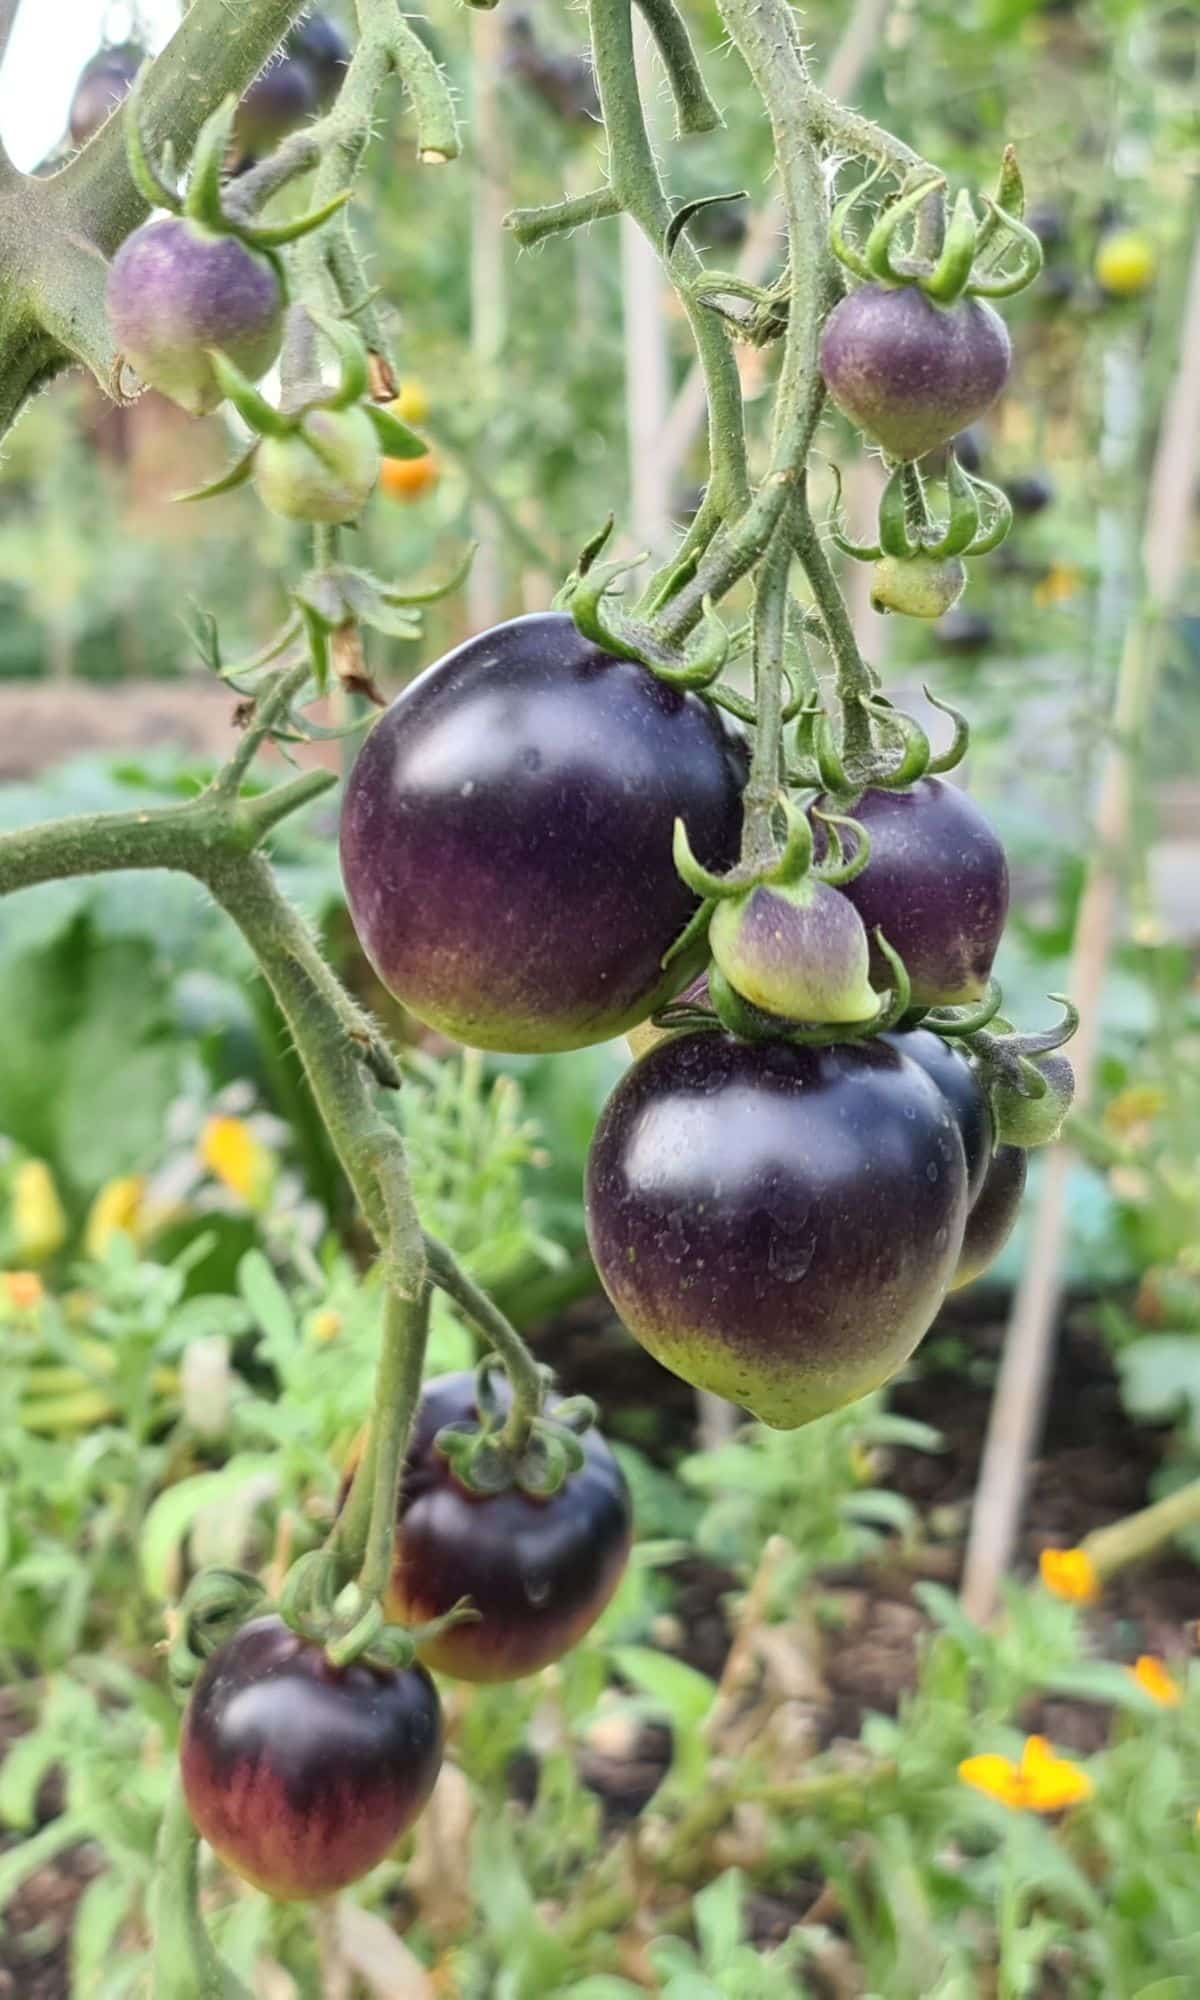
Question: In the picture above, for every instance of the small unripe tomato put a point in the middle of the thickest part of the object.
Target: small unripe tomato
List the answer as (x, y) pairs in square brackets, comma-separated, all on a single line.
[(918, 587), (797, 950), (1126, 263), (325, 471), (176, 290), (910, 373), (302, 1775), (1035, 1121), (409, 478), (412, 404)]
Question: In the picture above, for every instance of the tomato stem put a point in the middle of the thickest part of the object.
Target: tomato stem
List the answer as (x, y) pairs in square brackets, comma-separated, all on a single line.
[(524, 1375), (186, 1966), (367, 1528), (637, 188)]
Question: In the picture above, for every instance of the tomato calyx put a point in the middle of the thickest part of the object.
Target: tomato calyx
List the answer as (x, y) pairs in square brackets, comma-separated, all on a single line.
[(587, 594), (349, 1626), (1030, 1086), (216, 1604), (822, 764), (505, 1449), (204, 202), (988, 255), (978, 518)]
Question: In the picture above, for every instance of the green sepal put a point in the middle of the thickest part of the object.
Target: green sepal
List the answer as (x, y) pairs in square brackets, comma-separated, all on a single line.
[(836, 870), (988, 538), (914, 745), (275, 235), (147, 179), (1029, 263), (877, 251), (434, 592), (958, 1023), (857, 551), (895, 538), (309, 1592), (1009, 198), (228, 482), (250, 404), (962, 526), (952, 757), (353, 363), (844, 250), (690, 936), (395, 438), (795, 858), (948, 278), (202, 203), (710, 887)]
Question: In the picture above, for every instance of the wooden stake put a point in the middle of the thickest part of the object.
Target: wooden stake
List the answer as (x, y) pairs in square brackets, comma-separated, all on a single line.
[(1024, 1371)]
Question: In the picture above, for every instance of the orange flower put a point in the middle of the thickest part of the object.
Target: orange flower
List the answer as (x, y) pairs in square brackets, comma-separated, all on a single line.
[(1070, 1574), (1041, 1782), (1152, 1677), (24, 1290), (1060, 584)]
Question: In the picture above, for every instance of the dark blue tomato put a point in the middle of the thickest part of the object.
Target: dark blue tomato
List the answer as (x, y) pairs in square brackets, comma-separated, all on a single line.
[(993, 1216), (538, 1571), (961, 1088), (936, 885), (302, 1775), (506, 837), (777, 1223)]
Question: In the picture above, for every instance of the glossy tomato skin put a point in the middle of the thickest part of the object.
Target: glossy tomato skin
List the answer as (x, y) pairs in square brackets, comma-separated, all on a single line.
[(910, 373), (301, 1775), (963, 1092), (936, 885), (506, 837), (539, 1572), (777, 1223), (994, 1214)]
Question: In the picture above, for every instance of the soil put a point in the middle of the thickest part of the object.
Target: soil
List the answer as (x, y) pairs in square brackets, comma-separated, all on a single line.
[(1094, 1467)]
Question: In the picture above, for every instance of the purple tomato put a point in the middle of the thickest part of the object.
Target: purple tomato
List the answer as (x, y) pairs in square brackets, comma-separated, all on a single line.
[(911, 373), (506, 837), (777, 1223)]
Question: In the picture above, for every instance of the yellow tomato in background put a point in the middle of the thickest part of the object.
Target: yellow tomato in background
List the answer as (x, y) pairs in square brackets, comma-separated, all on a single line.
[(1125, 263), (412, 404)]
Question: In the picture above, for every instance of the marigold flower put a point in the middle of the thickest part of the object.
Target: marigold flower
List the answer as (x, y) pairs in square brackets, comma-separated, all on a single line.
[(24, 1290), (1042, 1782), (1152, 1677), (1070, 1574), (234, 1156), (116, 1211)]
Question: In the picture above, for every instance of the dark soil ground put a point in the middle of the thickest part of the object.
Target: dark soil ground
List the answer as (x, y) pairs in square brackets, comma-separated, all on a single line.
[(1094, 1467)]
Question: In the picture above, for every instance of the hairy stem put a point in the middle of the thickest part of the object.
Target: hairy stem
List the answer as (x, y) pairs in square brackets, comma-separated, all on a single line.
[(366, 1533), (770, 636), (519, 1365), (639, 191), (185, 1965), (854, 682)]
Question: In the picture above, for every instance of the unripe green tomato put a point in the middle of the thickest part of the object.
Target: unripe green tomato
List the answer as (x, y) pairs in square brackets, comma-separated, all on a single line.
[(918, 586), (1034, 1121), (326, 471), (798, 950)]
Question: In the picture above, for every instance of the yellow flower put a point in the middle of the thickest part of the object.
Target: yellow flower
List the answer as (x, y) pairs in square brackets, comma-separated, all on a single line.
[(324, 1326), (1071, 1574), (231, 1152), (24, 1290), (1060, 584), (1042, 1782), (118, 1210), (1135, 1107), (39, 1219), (1152, 1677)]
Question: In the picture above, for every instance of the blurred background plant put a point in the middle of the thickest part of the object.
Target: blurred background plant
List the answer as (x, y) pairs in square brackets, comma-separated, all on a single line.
[(749, 1780)]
